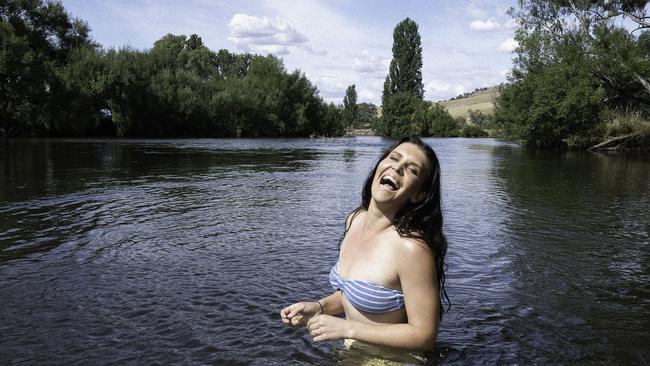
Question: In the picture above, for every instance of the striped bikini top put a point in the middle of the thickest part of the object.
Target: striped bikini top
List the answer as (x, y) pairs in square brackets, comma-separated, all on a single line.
[(366, 296)]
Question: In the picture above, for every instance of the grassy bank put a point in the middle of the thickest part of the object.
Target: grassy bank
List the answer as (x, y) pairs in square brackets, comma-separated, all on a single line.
[(621, 131)]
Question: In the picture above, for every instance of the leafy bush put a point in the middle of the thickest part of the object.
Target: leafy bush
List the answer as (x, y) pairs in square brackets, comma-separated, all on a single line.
[(473, 131)]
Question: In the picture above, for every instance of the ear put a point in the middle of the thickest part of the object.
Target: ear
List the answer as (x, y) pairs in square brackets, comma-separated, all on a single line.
[(417, 197)]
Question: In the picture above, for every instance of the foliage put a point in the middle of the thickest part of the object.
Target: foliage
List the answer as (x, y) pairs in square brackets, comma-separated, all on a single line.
[(551, 104), (573, 61), (396, 115), (350, 107), (58, 82), (440, 123), (367, 115), (473, 131), (626, 122), (480, 119), (406, 115), (36, 39), (405, 70), (404, 80)]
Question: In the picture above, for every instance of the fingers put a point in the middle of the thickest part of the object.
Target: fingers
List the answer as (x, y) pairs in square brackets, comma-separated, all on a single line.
[(297, 321), (283, 315), (313, 320), (317, 331), (294, 309)]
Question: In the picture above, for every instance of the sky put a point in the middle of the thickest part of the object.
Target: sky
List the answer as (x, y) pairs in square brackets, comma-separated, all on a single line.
[(466, 44)]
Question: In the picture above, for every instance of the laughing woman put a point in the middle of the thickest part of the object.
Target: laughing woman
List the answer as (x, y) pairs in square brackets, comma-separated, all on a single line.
[(389, 278)]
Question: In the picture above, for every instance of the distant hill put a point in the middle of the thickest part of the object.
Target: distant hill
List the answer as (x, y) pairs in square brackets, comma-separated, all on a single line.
[(482, 100)]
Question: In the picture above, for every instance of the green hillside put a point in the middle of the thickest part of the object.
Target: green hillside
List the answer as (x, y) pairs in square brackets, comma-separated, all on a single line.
[(479, 101)]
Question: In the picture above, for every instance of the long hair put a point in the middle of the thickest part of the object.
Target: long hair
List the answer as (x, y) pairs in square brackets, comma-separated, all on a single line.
[(421, 220)]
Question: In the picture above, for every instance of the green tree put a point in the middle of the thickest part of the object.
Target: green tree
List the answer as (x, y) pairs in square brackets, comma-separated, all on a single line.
[(403, 82), (438, 122), (36, 38), (56, 81), (573, 61), (350, 108), (367, 115), (481, 119), (405, 71)]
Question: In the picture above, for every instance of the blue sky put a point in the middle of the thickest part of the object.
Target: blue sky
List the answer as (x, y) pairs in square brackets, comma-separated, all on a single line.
[(466, 44)]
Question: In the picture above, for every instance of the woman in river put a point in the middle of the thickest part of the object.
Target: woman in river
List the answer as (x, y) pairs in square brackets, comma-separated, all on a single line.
[(389, 279)]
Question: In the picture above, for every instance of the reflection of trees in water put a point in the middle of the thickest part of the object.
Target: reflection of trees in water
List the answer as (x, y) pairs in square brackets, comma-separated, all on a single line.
[(579, 246), (31, 168), (54, 191)]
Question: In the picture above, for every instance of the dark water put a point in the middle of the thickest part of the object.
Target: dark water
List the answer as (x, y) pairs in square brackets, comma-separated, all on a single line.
[(184, 251)]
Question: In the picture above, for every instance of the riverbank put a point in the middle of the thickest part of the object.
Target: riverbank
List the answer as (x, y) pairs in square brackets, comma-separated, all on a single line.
[(360, 132)]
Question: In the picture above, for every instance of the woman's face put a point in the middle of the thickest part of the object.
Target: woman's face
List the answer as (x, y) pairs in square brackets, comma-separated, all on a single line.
[(399, 177)]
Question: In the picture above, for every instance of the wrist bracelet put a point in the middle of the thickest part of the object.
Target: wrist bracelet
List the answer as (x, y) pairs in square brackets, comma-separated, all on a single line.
[(321, 307)]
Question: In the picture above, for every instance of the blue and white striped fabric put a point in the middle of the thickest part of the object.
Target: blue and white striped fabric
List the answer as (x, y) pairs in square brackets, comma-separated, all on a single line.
[(366, 296)]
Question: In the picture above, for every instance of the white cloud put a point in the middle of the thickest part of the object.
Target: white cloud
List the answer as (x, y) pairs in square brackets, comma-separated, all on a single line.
[(511, 24), (264, 34), (367, 63), (275, 49), (438, 90), (437, 87), (509, 45), (483, 26), (475, 11), (366, 94)]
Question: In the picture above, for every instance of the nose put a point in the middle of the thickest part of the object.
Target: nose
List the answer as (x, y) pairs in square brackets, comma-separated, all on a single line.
[(399, 167)]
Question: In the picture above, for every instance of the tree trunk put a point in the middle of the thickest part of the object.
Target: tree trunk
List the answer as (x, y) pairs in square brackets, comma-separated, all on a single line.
[(618, 140)]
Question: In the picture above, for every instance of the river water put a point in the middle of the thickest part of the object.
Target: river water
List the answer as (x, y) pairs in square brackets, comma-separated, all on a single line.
[(184, 251)]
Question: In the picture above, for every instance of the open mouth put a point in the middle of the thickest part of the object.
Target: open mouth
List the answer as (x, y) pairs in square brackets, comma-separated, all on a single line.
[(388, 183)]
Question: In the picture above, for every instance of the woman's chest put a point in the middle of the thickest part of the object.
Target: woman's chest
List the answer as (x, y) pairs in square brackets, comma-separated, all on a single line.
[(370, 258)]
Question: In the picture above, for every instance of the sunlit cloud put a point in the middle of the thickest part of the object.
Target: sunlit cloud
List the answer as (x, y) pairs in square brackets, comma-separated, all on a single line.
[(509, 45), (367, 63), (511, 24), (264, 34), (484, 26)]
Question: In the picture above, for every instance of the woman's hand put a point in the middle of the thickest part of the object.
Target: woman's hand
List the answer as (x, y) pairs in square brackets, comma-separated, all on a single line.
[(297, 315), (328, 328)]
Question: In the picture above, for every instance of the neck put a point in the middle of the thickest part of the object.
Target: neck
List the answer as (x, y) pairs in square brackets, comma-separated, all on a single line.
[(377, 219)]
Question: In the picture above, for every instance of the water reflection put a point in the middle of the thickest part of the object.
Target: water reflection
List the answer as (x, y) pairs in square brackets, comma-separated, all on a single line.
[(50, 186), (33, 167), (577, 242)]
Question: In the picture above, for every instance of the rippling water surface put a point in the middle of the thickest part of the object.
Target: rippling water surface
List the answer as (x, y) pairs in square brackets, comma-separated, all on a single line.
[(184, 251)]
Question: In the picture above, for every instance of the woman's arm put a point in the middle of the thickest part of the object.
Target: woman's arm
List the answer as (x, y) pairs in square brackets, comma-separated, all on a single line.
[(419, 284), (298, 314), (332, 304)]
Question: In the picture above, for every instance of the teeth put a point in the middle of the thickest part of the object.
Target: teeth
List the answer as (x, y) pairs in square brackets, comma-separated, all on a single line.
[(391, 179)]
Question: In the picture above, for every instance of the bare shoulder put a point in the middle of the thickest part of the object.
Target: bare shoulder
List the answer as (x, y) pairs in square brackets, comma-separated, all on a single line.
[(414, 252), (414, 246)]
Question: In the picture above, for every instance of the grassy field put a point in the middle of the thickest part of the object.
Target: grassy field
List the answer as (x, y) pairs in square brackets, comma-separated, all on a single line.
[(480, 101)]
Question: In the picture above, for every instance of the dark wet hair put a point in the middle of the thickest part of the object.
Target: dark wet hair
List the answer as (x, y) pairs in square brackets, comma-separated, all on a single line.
[(421, 220)]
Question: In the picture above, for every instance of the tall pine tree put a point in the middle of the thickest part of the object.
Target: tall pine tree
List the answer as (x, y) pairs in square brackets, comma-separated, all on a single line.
[(403, 90), (350, 106), (405, 72)]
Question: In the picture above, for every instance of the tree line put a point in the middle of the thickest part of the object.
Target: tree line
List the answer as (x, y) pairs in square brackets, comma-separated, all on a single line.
[(579, 77), (57, 82)]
